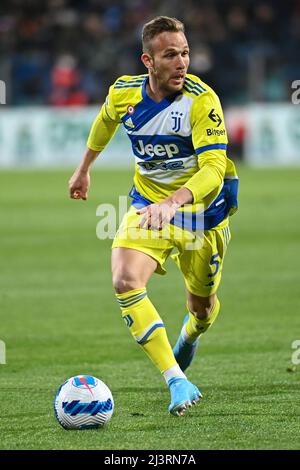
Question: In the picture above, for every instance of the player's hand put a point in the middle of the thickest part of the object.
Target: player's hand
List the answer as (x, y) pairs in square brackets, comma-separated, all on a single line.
[(157, 216), (79, 185)]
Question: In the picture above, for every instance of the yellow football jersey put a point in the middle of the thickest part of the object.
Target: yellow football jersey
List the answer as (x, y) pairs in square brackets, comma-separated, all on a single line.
[(171, 141)]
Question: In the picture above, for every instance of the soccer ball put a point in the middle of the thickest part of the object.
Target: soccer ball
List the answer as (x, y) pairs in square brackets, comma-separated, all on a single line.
[(83, 402)]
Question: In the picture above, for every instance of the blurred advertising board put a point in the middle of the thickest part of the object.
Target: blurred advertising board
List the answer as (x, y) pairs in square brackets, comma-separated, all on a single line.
[(273, 135), (264, 134), (40, 137), (43, 137)]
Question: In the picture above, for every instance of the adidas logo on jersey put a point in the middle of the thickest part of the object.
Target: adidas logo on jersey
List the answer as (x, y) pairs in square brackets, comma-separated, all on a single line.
[(129, 123), (157, 150)]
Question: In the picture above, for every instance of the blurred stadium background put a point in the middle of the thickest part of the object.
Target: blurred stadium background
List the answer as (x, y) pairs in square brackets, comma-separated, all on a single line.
[(57, 59)]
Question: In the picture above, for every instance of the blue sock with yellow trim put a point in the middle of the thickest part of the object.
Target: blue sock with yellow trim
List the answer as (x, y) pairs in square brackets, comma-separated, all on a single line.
[(148, 329)]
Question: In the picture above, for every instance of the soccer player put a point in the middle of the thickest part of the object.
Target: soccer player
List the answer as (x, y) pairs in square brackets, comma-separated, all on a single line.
[(184, 189)]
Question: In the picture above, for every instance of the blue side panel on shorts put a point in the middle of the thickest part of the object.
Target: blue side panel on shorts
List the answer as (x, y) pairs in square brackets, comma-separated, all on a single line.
[(231, 190), (212, 216)]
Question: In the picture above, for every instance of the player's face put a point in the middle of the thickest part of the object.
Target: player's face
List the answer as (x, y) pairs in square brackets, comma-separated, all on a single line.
[(170, 60)]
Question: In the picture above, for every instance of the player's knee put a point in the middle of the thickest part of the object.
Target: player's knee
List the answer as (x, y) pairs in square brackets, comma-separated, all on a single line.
[(201, 307), (124, 283)]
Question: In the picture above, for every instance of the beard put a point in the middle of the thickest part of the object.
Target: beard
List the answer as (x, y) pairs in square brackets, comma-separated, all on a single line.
[(165, 85)]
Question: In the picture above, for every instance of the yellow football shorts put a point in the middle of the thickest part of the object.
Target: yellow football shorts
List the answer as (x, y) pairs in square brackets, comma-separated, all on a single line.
[(199, 255)]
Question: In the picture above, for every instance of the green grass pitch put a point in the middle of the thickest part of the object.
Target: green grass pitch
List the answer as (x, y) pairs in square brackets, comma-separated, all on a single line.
[(59, 318)]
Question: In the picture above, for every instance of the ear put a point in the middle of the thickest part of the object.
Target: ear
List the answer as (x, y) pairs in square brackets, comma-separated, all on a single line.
[(147, 60)]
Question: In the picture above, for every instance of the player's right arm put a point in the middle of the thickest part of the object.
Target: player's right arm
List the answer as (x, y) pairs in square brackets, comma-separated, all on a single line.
[(79, 182), (102, 131)]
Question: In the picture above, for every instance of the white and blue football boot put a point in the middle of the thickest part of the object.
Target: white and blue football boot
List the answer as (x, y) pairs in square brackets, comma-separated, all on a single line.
[(184, 394)]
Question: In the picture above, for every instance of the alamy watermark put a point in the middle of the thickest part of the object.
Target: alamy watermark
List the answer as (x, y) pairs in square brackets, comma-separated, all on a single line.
[(187, 227), (296, 93), (2, 352), (2, 92), (296, 354)]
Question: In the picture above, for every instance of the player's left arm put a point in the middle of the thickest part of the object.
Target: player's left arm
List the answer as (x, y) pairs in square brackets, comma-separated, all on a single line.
[(210, 143)]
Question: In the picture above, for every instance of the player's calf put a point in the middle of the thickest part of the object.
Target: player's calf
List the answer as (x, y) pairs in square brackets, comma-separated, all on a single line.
[(187, 344)]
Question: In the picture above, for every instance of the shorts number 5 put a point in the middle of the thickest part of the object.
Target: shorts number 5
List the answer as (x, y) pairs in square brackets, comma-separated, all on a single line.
[(214, 262)]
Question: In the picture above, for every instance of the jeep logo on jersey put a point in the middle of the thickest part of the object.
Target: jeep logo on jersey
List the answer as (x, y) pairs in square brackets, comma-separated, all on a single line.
[(157, 150), (215, 117)]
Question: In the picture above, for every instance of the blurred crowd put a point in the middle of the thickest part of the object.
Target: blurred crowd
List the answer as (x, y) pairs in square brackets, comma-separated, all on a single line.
[(67, 52)]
